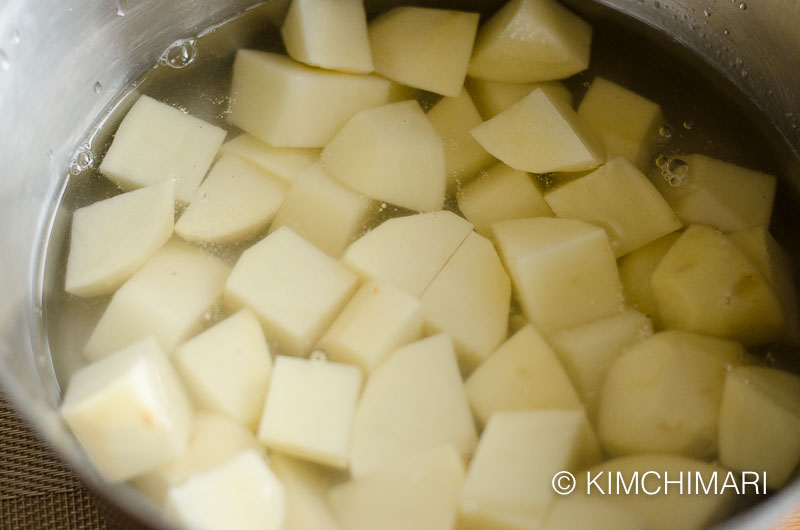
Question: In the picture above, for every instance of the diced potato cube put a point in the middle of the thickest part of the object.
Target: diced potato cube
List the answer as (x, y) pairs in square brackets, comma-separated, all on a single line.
[(493, 97), (469, 299), (330, 35), (759, 423), (423, 47), (509, 481), (706, 284), (390, 153), (157, 142), (420, 492), (227, 367), (240, 494), (294, 288), (775, 264), (663, 395), (283, 162), (378, 319), (540, 134), (720, 194), (671, 506), (306, 494), (167, 298), (588, 351), (289, 104), (214, 439), (531, 40), (618, 197), (413, 402), (501, 193), (453, 118), (310, 408), (112, 239), (636, 270), (589, 512), (624, 122), (322, 211), (408, 251), (129, 411), (563, 270), (236, 201)]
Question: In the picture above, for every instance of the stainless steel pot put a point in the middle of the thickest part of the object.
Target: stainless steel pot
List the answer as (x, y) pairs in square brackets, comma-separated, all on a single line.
[(62, 63)]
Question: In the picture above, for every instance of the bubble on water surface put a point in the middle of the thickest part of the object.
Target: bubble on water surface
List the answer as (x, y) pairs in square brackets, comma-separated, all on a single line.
[(665, 131), (97, 87), (82, 161), (180, 53)]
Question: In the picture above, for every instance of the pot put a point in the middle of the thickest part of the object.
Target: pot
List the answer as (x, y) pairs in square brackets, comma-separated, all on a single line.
[(63, 64)]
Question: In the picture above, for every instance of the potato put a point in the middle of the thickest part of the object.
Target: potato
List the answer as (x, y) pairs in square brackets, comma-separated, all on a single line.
[(531, 40), (704, 283), (156, 142), (408, 251), (423, 47), (625, 122), (306, 494), (235, 202), (240, 493), (759, 423), (500, 184), (167, 298), (390, 153), (283, 162), (330, 35), (412, 403), (663, 395), (618, 197), (493, 97), (288, 104), (294, 288), (129, 411), (112, 239), (418, 492), (540, 134), (469, 299), (309, 409), (587, 512), (325, 213), (227, 367)]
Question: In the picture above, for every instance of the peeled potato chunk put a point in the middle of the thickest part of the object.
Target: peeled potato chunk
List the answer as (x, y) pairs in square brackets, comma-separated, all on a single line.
[(556, 266), (624, 122), (493, 97), (289, 104), (240, 494), (566, 513), (294, 288), (306, 494), (226, 368), (234, 202), (157, 142), (423, 47), (509, 481), (453, 118), (408, 251), (412, 403), (390, 153), (283, 162), (330, 35), (706, 284), (500, 184), (214, 439), (309, 409), (704, 190), (378, 319), (621, 199), (469, 299), (418, 492), (129, 411), (531, 40), (540, 134), (759, 425), (664, 394), (112, 239), (322, 211), (167, 298)]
